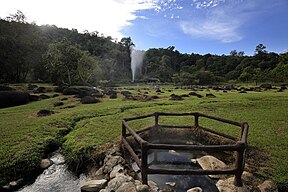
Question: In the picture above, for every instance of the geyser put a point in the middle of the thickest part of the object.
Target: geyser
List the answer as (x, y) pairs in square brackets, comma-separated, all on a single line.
[(136, 61)]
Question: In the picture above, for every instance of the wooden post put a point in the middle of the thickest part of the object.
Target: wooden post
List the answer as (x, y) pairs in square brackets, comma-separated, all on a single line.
[(144, 163), (239, 163), (196, 120), (123, 129), (156, 119)]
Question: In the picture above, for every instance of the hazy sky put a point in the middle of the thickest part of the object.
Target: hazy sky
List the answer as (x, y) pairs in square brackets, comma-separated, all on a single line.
[(198, 26)]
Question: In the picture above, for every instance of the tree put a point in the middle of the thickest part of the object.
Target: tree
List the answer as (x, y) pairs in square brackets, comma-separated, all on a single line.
[(260, 49), (62, 58), (88, 67), (17, 17)]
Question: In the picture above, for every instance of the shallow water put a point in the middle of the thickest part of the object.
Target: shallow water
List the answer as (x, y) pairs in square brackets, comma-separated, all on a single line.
[(179, 160), (56, 178)]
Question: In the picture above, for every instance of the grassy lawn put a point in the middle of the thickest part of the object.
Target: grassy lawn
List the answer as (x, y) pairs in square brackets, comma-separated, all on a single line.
[(25, 137)]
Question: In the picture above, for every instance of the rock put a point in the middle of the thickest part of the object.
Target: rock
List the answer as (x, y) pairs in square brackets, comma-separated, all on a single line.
[(6, 88), (195, 94), (89, 100), (209, 162), (111, 161), (45, 163), (195, 189), (266, 86), (34, 97), (243, 91), (116, 182), (227, 185), (31, 86), (55, 95), (116, 170), (44, 112), (172, 184), (176, 97), (39, 90), (94, 185), (210, 95), (127, 187), (268, 186), (246, 176), (13, 98), (43, 96), (59, 103), (153, 186), (142, 188)]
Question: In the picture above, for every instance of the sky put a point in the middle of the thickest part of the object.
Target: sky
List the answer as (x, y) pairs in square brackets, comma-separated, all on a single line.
[(192, 26)]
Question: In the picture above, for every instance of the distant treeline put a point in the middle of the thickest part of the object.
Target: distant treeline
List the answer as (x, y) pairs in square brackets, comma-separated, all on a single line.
[(31, 53)]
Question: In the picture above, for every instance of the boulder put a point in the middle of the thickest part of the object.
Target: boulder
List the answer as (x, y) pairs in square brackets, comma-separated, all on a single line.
[(268, 186), (195, 94), (58, 103), (94, 185), (130, 186), (43, 96), (227, 185), (118, 169), (116, 182), (210, 95), (6, 88), (266, 86), (209, 162), (31, 87), (175, 97), (45, 163), (34, 97), (13, 98), (44, 112), (89, 100), (39, 90)]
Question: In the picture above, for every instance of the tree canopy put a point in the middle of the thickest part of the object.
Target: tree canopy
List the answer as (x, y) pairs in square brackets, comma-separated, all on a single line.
[(31, 53)]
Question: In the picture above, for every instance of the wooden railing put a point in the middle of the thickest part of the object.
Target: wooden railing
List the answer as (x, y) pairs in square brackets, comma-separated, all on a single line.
[(238, 147)]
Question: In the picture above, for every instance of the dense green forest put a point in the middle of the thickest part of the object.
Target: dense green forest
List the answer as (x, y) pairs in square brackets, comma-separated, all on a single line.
[(31, 53)]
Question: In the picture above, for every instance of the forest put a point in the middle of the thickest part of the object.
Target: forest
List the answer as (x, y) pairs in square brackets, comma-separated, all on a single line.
[(32, 53)]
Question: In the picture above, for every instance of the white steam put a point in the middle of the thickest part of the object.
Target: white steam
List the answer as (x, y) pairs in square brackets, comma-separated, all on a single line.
[(136, 61)]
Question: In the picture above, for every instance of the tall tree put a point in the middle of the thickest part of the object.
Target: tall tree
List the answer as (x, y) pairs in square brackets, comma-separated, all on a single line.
[(62, 58)]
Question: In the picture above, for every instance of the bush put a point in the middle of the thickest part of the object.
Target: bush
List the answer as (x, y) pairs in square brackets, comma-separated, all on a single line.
[(13, 98)]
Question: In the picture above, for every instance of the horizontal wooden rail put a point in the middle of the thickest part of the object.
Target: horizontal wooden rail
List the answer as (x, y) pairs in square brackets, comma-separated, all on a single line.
[(190, 171), (220, 119), (194, 147)]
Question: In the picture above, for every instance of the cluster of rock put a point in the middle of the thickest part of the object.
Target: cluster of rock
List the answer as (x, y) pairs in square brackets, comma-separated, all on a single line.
[(116, 175)]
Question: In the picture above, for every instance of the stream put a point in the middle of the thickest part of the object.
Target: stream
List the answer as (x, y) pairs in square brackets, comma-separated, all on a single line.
[(180, 160), (56, 178)]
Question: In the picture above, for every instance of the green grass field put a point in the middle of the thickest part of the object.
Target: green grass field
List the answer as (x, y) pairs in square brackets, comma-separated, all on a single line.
[(25, 137)]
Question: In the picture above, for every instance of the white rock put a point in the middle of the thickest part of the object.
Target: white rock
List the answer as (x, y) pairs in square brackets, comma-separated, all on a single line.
[(94, 185), (153, 186), (195, 189), (142, 188), (268, 186), (227, 185), (116, 170), (116, 182), (209, 162), (172, 184), (127, 187), (194, 161), (45, 163)]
